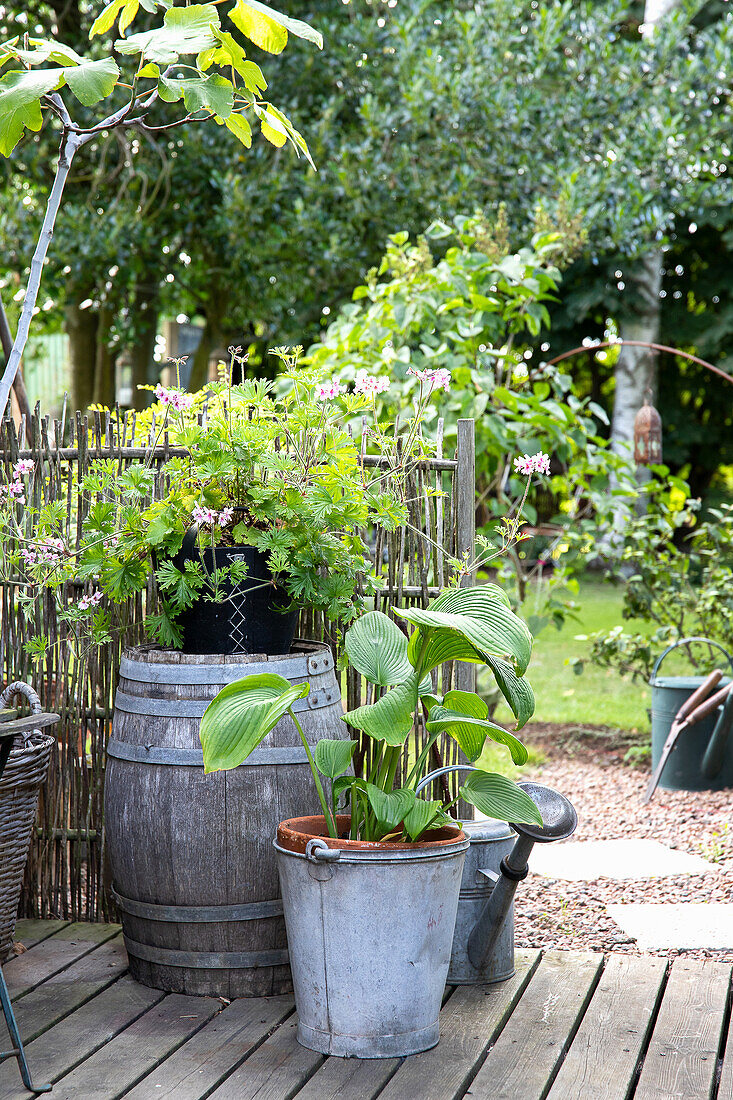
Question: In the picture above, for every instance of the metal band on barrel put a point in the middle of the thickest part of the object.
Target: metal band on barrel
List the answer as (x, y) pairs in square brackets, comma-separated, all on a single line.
[(206, 960), (194, 708), (150, 672), (194, 758), (198, 914)]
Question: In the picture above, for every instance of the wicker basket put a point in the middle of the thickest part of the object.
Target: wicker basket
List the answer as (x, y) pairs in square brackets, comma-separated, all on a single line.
[(21, 782)]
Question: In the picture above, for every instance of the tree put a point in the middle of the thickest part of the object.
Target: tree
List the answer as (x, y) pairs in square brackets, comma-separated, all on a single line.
[(47, 65)]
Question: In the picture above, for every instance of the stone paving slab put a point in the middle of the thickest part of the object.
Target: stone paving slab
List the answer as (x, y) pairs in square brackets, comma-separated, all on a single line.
[(676, 925), (588, 860)]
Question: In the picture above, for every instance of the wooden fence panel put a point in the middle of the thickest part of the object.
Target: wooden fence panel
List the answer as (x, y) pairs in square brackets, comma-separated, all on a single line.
[(65, 871)]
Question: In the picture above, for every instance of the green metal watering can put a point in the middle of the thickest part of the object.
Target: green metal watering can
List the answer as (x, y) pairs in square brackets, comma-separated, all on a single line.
[(701, 758)]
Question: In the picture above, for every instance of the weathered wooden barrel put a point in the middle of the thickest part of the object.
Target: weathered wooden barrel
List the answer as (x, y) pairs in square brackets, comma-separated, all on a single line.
[(191, 855)]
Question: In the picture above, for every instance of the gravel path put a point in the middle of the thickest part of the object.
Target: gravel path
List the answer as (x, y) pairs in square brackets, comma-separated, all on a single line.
[(587, 766)]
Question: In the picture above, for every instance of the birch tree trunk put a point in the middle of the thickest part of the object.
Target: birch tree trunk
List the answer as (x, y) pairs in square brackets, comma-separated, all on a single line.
[(636, 367), (636, 374)]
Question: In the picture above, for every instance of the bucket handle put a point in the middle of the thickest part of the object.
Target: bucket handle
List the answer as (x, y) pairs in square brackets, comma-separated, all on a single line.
[(686, 641), (317, 851)]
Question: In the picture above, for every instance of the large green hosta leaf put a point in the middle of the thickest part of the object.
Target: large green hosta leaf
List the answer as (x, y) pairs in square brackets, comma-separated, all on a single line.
[(421, 816), (390, 719), (184, 31), (377, 648), (390, 809), (464, 716), (468, 624), (333, 758), (242, 715), (496, 796), (515, 689)]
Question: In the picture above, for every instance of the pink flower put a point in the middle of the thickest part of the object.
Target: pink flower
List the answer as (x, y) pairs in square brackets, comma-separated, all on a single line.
[(436, 379), (532, 464), (205, 517), (209, 517), (48, 551), (92, 600), (175, 398), (327, 391), (369, 384), (25, 466)]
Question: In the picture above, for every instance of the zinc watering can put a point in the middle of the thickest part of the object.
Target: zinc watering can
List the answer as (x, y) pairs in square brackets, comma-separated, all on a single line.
[(692, 745), (496, 862)]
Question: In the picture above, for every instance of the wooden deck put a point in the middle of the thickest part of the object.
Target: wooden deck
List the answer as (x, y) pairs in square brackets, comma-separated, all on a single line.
[(568, 1026)]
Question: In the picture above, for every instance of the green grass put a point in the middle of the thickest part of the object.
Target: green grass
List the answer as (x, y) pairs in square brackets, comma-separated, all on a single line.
[(599, 696)]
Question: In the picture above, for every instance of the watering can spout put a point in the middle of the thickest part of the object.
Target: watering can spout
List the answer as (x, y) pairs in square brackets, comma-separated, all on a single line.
[(560, 821)]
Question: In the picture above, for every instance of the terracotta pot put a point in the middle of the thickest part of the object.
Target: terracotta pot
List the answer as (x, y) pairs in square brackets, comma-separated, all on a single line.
[(294, 834)]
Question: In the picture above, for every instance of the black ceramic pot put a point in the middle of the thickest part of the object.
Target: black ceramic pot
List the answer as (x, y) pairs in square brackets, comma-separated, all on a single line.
[(250, 619)]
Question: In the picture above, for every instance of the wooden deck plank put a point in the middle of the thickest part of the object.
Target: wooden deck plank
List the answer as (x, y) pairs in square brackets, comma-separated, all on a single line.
[(66, 991), (349, 1079), (26, 971), (69, 1042), (604, 1054), (470, 1021), (725, 1089), (216, 1050), (682, 1057), (523, 1060), (275, 1071), (30, 932), (119, 1064)]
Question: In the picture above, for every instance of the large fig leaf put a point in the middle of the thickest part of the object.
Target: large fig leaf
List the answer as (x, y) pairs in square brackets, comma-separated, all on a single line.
[(20, 106), (268, 28), (184, 31)]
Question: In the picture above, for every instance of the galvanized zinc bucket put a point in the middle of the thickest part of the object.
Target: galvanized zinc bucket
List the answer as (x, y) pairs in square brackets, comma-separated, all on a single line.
[(370, 928), (683, 770)]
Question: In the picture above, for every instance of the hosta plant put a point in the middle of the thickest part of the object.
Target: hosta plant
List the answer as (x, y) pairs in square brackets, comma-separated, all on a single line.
[(464, 624)]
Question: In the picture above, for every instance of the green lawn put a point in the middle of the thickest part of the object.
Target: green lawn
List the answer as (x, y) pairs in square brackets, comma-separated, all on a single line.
[(599, 696)]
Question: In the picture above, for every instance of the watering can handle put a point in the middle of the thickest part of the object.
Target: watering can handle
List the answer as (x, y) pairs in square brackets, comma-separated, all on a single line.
[(686, 641)]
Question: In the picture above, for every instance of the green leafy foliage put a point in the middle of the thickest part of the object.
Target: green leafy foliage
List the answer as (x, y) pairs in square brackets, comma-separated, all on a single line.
[(679, 567), (333, 758), (380, 809), (242, 715), (496, 796)]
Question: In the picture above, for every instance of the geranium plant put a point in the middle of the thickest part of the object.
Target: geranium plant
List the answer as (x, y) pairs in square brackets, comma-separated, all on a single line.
[(272, 467), (465, 624)]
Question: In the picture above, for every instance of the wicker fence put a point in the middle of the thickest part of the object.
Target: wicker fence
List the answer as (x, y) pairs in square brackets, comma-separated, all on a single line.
[(65, 871)]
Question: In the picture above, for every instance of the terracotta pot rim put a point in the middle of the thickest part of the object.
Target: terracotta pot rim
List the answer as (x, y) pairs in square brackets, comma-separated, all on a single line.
[(294, 833)]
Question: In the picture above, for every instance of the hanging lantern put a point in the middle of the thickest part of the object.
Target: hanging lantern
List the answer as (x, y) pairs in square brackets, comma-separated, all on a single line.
[(647, 436)]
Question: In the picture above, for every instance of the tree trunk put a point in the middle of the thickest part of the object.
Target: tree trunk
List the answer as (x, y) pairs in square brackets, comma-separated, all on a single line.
[(81, 326), (104, 366), (636, 367), (200, 368), (145, 308), (636, 375)]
